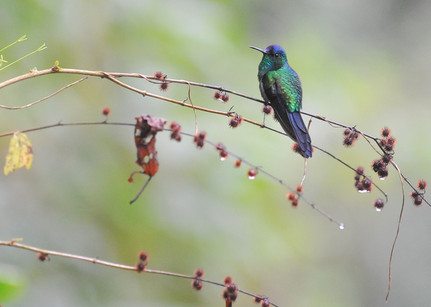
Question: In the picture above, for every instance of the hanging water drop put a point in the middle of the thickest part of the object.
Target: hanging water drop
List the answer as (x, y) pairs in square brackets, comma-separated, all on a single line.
[(341, 226)]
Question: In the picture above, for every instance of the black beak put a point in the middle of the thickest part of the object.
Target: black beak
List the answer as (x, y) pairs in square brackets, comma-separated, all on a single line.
[(258, 49)]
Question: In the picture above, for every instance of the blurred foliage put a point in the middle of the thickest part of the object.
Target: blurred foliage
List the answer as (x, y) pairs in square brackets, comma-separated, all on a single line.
[(362, 63)]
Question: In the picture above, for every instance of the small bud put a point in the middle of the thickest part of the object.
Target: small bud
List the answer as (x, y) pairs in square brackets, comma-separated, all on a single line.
[(347, 131), (377, 165), (197, 284), (386, 132), (217, 95), (418, 201), (383, 172), (291, 196), (140, 267), (106, 111), (164, 86), (231, 288), (199, 273), (414, 194), (267, 109), (388, 147), (251, 173), (378, 204), (237, 163), (42, 256), (223, 155), (225, 98), (422, 184), (295, 203), (235, 121), (348, 141), (360, 170), (220, 147), (199, 139), (158, 75), (367, 184), (143, 256), (386, 159), (257, 299), (299, 188), (227, 280), (265, 303)]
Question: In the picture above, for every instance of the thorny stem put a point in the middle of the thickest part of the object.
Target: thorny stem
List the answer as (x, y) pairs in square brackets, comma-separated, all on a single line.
[(13, 243)]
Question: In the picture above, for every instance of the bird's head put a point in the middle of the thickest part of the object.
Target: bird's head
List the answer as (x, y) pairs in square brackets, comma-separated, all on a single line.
[(273, 58)]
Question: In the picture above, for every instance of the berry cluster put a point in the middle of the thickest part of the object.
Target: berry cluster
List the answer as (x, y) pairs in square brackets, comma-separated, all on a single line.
[(350, 137), (235, 121), (230, 293), (222, 151), (388, 141), (199, 139), (293, 198), (175, 131), (143, 261), (197, 281), (362, 183), (221, 97), (418, 196)]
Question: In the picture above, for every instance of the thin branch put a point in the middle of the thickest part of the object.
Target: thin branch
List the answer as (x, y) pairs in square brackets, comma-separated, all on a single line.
[(44, 98), (397, 232), (112, 76), (13, 243), (258, 168)]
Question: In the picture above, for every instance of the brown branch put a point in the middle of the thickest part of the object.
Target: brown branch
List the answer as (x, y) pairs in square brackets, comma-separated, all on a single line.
[(44, 98), (112, 76), (95, 260)]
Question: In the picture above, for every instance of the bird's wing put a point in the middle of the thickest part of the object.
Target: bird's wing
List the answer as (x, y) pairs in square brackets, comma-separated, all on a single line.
[(291, 122)]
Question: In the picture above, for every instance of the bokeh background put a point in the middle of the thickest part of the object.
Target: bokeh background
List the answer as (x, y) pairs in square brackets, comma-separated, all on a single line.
[(364, 63)]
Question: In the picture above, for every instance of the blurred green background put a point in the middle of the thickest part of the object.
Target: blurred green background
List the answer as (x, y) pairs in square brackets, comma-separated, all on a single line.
[(364, 63)]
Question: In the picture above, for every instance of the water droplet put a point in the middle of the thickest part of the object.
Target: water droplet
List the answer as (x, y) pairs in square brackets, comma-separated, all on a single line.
[(222, 158), (251, 177), (378, 209), (363, 191), (382, 178), (341, 226)]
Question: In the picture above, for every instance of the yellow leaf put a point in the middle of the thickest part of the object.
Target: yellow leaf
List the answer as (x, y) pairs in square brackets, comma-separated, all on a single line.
[(20, 153)]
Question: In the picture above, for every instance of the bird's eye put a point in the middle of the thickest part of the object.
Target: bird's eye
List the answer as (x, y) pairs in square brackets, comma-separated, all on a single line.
[(277, 55)]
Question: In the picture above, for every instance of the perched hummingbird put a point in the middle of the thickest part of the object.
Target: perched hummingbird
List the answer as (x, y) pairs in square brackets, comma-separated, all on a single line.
[(280, 87)]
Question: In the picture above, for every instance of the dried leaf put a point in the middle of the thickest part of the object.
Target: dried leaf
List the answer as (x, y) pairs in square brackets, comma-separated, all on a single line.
[(20, 153)]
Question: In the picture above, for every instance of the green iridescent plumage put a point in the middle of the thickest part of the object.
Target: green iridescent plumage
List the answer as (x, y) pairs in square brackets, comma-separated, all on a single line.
[(281, 88)]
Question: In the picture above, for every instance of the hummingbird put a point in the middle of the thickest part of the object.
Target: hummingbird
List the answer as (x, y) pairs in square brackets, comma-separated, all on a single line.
[(281, 88)]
